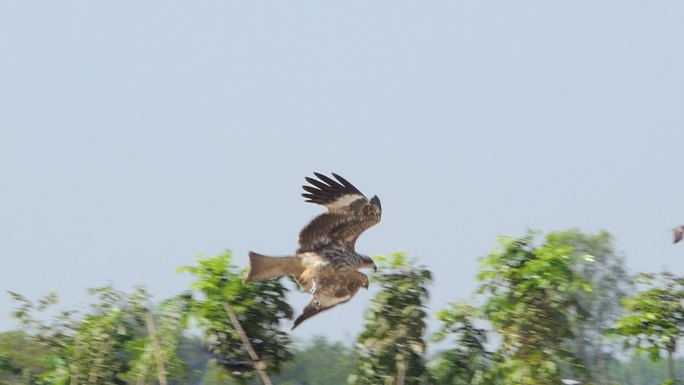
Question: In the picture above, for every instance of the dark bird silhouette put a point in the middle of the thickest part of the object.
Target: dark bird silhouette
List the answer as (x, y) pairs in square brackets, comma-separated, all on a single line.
[(678, 233), (326, 263)]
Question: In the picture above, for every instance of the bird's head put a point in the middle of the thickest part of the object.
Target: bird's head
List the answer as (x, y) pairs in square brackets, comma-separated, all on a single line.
[(375, 201), (368, 263)]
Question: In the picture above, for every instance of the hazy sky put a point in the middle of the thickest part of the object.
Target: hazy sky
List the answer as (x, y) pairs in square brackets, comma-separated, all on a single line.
[(136, 135)]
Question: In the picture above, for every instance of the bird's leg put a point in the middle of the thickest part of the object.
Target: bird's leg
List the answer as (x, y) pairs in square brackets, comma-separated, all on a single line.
[(314, 291)]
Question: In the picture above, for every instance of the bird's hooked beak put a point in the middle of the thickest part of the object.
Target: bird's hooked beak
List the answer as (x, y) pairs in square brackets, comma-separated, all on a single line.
[(375, 268)]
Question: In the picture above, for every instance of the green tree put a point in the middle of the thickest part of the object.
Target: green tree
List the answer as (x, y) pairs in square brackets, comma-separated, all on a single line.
[(318, 362), (155, 354), (22, 359), (530, 297), (602, 306), (258, 306), (100, 346), (84, 349), (641, 370), (54, 333), (391, 346), (194, 355), (468, 362), (655, 318)]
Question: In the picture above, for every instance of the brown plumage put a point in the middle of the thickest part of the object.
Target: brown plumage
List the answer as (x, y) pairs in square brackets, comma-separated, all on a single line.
[(678, 233), (349, 214), (326, 262), (334, 288)]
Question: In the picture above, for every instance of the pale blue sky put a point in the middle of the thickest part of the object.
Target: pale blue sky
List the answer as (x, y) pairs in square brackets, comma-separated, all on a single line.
[(137, 135)]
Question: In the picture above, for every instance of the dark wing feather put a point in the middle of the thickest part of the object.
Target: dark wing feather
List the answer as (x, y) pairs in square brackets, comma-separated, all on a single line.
[(326, 194), (333, 289), (349, 213)]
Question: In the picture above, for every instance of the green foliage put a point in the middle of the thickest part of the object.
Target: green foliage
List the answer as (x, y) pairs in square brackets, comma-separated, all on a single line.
[(22, 358), (467, 362), (194, 355), (259, 307), (530, 296), (169, 322), (392, 346), (101, 346), (53, 334), (641, 370), (601, 306), (655, 320), (318, 362), (215, 375), (549, 300)]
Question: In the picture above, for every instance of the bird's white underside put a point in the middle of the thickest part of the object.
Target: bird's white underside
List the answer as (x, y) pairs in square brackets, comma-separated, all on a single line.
[(311, 259)]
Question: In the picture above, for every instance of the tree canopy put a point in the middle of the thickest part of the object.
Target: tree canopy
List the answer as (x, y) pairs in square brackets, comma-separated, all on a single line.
[(548, 307)]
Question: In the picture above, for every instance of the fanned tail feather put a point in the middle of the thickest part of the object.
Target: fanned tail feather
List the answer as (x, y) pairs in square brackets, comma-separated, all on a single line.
[(262, 267)]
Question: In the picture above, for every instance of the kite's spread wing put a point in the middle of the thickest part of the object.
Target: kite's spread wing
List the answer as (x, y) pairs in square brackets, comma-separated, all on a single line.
[(349, 213)]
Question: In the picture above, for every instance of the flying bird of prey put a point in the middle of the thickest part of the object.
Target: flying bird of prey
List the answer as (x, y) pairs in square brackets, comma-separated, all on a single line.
[(678, 233), (326, 263)]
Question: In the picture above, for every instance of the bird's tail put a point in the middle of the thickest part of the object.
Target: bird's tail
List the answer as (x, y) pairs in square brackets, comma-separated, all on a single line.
[(262, 267)]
